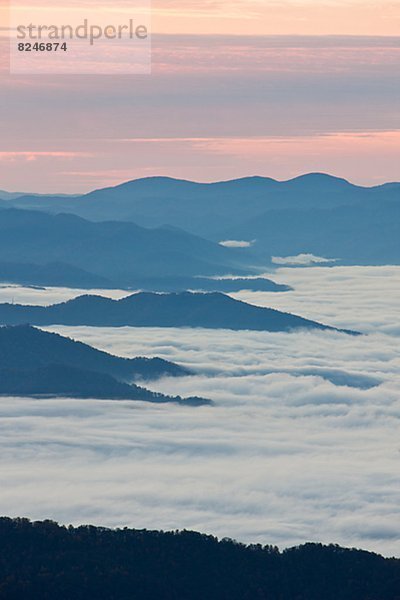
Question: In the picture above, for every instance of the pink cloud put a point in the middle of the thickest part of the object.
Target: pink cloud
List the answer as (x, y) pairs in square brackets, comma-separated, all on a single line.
[(366, 158), (30, 156)]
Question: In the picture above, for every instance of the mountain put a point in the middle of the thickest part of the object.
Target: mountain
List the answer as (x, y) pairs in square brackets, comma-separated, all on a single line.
[(356, 234), (145, 309), (51, 274), (56, 380), (37, 363), (120, 252), (25, 347), (64, 275), (204, 207), (43, 561), (207, 284), (11, 195), (313, 213), (4, 195)]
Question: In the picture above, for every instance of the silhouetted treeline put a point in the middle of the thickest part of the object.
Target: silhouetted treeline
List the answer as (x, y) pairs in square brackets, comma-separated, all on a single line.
[(43, 561)]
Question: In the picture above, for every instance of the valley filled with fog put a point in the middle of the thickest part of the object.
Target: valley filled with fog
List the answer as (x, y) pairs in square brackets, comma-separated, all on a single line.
[(301, 444)]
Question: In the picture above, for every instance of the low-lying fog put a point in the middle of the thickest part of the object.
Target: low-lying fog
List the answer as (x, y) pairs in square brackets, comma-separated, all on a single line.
[(302, 444)]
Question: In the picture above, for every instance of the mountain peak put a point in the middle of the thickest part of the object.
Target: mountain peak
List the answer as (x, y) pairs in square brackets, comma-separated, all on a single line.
[(319, 179)]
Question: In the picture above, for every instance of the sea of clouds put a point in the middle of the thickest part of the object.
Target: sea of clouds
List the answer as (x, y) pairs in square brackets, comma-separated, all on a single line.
[(301, 445)]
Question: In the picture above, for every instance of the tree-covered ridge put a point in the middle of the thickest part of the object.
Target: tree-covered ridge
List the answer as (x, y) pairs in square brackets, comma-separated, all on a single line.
[(70, 382), (39, 363), (146, 309), (43, 561), (25, 347)]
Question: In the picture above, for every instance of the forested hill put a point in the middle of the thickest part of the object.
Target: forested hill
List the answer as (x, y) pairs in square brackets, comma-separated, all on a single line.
[(25, 347), (187, 309), (43, 561), (39, 363)]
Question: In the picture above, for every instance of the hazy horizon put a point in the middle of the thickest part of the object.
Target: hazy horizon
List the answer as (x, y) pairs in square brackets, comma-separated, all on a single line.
[(207, 182), (237, 87), (301, 444)]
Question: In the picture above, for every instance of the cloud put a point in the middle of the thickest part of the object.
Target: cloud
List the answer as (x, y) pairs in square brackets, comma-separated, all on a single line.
[(33, 155), (301, 445), (360, 298), (301, 259), (278, 17), (236, 244), (273, 105)]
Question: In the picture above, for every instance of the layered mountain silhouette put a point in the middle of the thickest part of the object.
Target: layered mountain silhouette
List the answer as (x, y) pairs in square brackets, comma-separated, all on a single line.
[(208, 284), (356, 234), (314, 213), (201, 207), (64, 275), (51, 274), (120, 252), (35, 362), (10, 196), (145, 309)]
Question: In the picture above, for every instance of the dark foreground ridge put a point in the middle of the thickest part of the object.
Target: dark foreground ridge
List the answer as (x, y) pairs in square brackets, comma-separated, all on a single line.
[(145, 309), (43, 561), (38, 363)]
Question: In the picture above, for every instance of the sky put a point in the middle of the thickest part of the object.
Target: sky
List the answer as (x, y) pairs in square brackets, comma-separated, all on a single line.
[(301, 445), (238, 88)]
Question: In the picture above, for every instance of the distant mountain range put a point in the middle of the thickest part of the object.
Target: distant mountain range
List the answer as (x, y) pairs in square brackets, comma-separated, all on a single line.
[(14, 195), (51, 274), (202, 208), (118, 252), (186, 309), (207, 284), (62, 274), (367, 234), (314, 213), (35, 362)]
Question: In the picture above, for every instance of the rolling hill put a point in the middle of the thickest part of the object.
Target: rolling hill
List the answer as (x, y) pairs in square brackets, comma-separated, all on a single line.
[(37, 363), (26, 347), (116, 251), (145, 309)]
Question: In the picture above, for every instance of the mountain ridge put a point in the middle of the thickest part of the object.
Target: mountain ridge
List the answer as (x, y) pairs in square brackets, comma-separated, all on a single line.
[(147, 309), (115, 250), (241, 210), (37, 363), (89, 562)]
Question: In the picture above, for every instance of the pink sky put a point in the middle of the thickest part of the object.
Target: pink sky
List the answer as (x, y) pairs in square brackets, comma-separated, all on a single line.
[(218, 107), (243, 17), (271, 17)]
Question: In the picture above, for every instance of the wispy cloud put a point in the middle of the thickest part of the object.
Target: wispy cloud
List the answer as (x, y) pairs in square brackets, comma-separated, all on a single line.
[(30, 156), (236, 244), (216, 107), (301, 260)]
